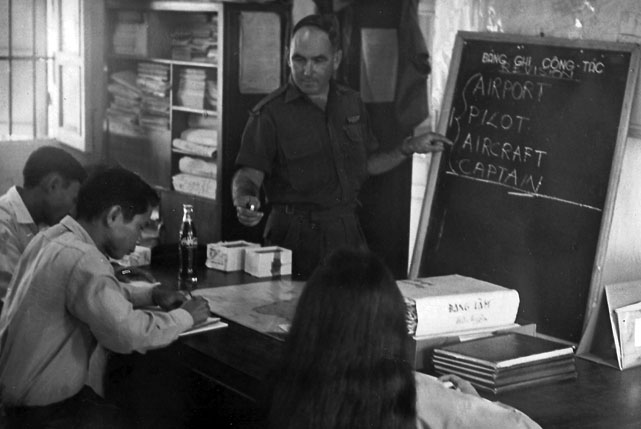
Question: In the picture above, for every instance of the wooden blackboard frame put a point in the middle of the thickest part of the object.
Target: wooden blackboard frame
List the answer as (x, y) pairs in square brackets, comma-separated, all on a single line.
[(596, 285)]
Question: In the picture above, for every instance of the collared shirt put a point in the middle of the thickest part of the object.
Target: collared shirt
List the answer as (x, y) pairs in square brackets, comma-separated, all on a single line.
[(63, 299), (308, 155), (17, 228), (440, 407)]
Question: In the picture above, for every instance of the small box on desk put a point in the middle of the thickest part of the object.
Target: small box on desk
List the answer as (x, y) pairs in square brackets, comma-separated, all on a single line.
[(268, 261), (228, 255)]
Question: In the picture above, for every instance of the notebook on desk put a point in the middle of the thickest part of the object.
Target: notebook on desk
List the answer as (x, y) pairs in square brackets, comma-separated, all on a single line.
[(505, 351), (210, 324)]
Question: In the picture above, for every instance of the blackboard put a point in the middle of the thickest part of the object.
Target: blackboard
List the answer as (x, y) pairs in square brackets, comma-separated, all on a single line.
[(538, 126)]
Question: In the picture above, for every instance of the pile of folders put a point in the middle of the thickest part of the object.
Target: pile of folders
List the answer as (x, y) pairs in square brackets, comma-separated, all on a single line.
[(505, 362)]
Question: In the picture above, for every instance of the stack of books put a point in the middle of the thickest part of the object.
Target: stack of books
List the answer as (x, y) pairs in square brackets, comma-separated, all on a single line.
[(153, 81), (195, 39), (124, 110), (506, 362)]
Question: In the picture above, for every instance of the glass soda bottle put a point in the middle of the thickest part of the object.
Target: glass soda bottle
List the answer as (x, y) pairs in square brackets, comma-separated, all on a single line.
[(187, 245)]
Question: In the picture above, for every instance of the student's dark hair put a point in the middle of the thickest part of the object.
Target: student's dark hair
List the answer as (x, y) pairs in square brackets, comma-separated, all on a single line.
[(328, 23), (346, 360), (50, 159), (112, 186)]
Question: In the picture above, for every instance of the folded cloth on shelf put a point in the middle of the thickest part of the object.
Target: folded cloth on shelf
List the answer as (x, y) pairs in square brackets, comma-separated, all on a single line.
[(198, 167), (201, 186), (203, 136), (194, 148)]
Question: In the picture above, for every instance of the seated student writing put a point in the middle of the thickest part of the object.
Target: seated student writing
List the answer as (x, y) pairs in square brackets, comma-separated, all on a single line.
[(65, 299), (346, 362)]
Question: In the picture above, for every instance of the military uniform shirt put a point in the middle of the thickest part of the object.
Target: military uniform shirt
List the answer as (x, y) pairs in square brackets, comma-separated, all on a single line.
[(309, 156)]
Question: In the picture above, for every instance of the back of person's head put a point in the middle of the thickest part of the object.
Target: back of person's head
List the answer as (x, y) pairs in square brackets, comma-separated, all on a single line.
[(327, 23), (115, 186), (49, 159), (346, 361)]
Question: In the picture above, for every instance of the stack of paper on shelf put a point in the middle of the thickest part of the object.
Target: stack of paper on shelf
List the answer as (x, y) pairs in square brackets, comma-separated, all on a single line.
[(193, 148), (203, 136), (196, 185), (506, 362), (197, 175), (195, 39), (123, 113), (197, 167), (153, 81), (197, 141), (130, 34), (191, 88)]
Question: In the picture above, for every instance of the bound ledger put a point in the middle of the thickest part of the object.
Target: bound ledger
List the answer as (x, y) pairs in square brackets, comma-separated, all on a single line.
[(456, 303), (505, 351), (506, 362)]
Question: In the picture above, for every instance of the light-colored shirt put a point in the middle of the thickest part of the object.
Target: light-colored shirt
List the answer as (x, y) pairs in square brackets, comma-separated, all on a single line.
[(17, 228), (440, 407), (63, 299)]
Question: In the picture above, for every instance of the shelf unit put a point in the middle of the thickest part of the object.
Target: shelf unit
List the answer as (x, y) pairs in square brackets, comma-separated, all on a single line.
[(141, 33)]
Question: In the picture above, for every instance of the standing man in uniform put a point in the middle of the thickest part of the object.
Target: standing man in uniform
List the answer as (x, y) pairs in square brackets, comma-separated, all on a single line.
[(310, 145)]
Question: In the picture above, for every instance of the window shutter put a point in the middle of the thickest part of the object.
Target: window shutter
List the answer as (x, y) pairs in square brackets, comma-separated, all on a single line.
[(77, 78)]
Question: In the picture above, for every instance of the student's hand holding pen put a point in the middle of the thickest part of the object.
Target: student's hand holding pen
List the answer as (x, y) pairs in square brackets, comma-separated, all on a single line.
[(167, 299), (198, 307)]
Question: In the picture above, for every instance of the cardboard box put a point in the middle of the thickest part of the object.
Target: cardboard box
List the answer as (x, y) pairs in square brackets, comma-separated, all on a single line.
[(228, 255), (268, 261)]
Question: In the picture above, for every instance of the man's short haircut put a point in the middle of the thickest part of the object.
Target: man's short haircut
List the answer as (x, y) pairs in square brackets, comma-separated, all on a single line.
[(49, 159), (115, 186), (327, 23)]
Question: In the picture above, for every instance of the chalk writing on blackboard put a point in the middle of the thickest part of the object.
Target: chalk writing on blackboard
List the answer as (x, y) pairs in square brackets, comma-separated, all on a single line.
[(492, 144), (521, 198)]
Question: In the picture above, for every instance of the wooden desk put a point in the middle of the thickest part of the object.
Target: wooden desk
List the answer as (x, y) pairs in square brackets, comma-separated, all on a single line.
[(240, 359)]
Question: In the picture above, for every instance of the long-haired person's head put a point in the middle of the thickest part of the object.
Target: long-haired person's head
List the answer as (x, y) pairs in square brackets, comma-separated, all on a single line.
[(314, 53), (120, 203), (352, 304), (346, 361)]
